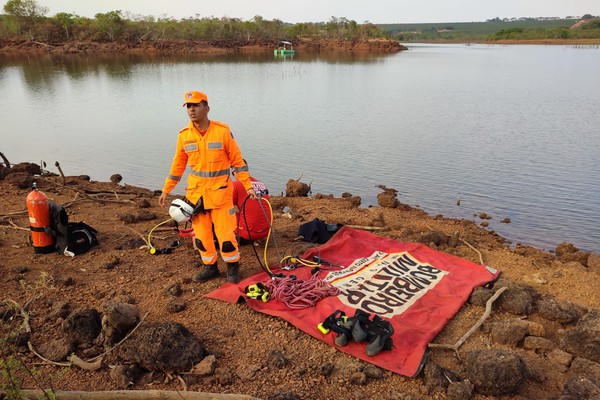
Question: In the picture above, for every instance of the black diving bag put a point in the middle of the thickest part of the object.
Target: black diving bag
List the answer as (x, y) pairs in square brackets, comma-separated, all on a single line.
[(72, 238)]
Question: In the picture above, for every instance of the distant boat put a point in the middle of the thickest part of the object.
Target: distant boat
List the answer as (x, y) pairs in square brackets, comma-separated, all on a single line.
[(285, 49)]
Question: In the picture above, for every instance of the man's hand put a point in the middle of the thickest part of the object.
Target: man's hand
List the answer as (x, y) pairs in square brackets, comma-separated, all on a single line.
[(252, 194), (162, 200)]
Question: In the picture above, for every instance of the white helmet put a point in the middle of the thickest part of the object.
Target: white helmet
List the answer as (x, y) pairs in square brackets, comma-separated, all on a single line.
[(180, 211)]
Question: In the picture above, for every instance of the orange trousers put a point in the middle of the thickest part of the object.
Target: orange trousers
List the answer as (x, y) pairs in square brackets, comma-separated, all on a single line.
[(224, 221)]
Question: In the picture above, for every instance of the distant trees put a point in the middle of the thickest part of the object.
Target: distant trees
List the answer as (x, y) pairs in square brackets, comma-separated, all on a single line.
[(109, 25), (23, 16), (25, 9), (65, 20), (26, 19)]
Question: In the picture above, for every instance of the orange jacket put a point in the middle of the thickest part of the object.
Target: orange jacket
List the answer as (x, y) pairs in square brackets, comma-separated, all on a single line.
[(210, 158)]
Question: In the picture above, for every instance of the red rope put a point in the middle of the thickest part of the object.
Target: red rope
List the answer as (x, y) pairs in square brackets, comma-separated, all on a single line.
[(297, 294)]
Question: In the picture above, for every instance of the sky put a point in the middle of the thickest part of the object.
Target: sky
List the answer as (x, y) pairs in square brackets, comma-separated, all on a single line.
[(375, 11)]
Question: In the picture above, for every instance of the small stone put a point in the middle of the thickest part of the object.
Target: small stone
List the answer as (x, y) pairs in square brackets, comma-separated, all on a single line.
[(116, 178)]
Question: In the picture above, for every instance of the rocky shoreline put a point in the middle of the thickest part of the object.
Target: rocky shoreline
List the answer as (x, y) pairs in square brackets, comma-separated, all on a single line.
[(539, 341), (200, 47)]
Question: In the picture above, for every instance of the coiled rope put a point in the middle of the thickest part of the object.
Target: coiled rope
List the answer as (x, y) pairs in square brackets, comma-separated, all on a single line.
[(297, 293)]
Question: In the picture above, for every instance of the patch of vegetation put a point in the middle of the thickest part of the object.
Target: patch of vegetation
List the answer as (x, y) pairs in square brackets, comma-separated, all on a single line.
[(495, 29), (15, 334), (25, 19)]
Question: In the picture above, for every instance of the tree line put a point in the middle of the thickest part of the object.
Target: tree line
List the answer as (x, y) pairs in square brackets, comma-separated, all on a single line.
[(585, 27), (26, 19)]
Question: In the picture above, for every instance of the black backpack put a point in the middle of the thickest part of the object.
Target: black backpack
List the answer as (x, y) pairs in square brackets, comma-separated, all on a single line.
[(72, 238)]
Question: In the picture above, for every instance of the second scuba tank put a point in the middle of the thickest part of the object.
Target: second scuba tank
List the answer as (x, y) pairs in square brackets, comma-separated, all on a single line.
[(39, 222)]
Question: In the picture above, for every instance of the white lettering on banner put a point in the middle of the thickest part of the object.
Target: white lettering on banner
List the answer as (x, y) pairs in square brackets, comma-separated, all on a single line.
[(259, 188), (385, 284)]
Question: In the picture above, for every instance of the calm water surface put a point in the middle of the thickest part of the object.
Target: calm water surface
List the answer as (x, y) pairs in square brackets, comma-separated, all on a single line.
[(509, 130)]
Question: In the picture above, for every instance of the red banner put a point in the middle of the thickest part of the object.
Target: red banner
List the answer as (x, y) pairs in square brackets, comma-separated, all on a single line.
[(417, 289)]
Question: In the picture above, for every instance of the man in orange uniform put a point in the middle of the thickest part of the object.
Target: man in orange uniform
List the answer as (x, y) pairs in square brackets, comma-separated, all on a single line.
[(210, 150)]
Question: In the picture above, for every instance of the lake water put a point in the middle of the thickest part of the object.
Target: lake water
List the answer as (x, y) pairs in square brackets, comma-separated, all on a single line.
[(512, 131)]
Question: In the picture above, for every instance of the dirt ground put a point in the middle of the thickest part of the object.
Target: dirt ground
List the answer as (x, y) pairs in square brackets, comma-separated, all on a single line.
[(254, 354)]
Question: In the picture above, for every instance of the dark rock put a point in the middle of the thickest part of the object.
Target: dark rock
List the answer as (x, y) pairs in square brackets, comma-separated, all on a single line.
[(116, 178), (539, 344), (460, 390), (122, 316), (387, 198), (559, 311), (173, 290), (164, 346), (65, 280), (143, 203), (296, 188), (22, 180), (581, 387), (437, 377), (145, 215), (355, 201), (58, 349), (175, 306), (496, 372), (438, 238), (82, 326), (277, 359), (373, 371), (128, 218), (509, 332), (584, 339), (583, 366), (480, 296), (29, 168), (123, 376), (516, 301)]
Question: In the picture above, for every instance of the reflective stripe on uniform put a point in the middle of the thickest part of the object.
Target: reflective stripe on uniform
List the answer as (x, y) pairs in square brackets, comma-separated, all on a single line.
[(175, 178), (233, 258), (207, 260), (190, 147), (241, 169), (215, 145), (210, 174)]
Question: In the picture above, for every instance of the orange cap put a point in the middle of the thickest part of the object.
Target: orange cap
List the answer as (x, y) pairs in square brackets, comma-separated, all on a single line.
[(194, 97)]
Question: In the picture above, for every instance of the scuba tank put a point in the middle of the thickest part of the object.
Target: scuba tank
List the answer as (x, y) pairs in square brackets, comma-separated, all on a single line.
[(39, 222)]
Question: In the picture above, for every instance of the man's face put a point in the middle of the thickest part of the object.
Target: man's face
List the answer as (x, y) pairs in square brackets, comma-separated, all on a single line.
[(197, 112)]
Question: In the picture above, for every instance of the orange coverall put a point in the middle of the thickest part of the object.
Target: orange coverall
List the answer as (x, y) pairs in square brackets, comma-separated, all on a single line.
[(210, 158)]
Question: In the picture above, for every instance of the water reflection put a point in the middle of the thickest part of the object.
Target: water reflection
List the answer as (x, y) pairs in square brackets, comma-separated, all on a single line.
[(490, 125), (39, 68)]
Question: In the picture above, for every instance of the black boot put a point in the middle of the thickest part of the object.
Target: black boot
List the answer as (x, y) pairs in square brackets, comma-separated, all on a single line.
[(208, 272), (233, 272)]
